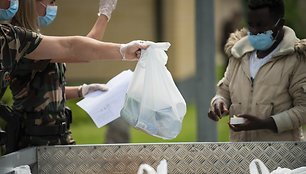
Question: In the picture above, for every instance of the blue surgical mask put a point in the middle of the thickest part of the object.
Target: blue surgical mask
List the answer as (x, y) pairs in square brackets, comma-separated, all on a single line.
[(262, 41), (51, 12), (8, 14)]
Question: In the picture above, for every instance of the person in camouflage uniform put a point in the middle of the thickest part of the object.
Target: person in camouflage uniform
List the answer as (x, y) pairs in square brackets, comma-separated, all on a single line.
[(38, 87), (45, 120), (118, 130)]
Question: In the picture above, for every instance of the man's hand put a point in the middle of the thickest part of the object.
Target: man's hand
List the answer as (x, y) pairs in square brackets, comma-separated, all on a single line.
[(86, 89), (254, 123), (106, 8), (217, 110), (132, 50)]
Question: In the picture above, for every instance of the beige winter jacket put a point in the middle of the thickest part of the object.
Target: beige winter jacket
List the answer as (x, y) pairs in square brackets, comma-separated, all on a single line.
[(278, 91)]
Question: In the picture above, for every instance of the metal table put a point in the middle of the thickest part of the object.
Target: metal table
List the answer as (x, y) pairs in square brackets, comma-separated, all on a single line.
[(185, 158)]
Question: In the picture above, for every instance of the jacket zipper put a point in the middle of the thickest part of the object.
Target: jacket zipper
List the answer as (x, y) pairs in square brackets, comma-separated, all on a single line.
[(249, 135), (252, 82)]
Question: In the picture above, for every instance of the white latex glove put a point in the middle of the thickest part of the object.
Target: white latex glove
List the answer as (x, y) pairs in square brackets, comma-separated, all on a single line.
[(106, 7), (86, 89), (132, 50)]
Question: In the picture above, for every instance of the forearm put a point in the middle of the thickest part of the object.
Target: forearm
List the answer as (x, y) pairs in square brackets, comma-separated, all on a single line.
[(294, 117), (290, 119), (98, 30), (90, 49), (75, 49), (222, 93), (72, 92), (223, 85), (269, 123)]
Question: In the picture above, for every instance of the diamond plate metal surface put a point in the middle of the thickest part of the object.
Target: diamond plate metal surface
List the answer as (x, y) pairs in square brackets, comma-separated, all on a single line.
[(183, 158)]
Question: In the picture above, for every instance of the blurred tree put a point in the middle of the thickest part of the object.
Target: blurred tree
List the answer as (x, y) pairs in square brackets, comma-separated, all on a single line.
[(293, 16)]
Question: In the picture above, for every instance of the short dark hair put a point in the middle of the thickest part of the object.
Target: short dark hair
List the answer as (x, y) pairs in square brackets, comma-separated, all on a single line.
[(276, 7)]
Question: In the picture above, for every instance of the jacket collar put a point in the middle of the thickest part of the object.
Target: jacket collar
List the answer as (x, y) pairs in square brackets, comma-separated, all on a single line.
[(286, 46)]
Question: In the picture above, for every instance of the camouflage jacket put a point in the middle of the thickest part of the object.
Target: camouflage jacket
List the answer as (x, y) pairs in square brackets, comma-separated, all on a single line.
[(15, 43), (37, 87)]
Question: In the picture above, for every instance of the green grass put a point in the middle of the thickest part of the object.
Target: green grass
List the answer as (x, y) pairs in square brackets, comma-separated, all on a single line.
[(84, 131), (223, 130)]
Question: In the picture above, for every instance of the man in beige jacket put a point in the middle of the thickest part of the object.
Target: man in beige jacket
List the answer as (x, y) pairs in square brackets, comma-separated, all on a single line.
[(265, 81)]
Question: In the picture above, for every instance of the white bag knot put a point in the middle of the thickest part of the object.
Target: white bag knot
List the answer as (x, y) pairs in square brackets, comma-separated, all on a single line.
[(258, 167), (161, 168)]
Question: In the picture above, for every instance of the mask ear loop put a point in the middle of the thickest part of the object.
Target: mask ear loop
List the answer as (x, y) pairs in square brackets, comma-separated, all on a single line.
[(274, 38), (43, 4)]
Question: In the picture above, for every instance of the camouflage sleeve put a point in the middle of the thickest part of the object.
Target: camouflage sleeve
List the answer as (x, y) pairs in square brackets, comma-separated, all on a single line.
[(16, 42), (28, 41)]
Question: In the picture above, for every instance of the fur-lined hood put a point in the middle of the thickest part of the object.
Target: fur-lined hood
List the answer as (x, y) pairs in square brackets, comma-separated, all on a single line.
[(238, 44)]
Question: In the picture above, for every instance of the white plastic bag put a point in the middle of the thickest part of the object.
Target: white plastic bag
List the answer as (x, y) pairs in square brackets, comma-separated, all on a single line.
[(258, 167), (153, 103), (25, 169), (161, 168)]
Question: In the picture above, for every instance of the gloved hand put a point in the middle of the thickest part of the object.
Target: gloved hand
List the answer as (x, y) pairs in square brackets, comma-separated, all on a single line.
[(217, 110), (132, 50), (86, 89), (106, 7)]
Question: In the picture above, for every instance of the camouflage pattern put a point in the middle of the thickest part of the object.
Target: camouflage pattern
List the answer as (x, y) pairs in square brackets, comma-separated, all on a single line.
[(38, 86), (15, 43), (38, 89)]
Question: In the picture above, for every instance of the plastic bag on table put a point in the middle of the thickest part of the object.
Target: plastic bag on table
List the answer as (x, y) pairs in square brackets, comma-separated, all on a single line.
[(161, 168), (153, 103), (25, 169), (258, 167)]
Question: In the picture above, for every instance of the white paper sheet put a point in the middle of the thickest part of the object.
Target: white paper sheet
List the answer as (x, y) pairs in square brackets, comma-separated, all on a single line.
[(104, 107)]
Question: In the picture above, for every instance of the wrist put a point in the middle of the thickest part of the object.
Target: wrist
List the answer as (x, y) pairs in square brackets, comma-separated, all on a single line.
[(79, 91), (217, 98), (100, 14), (122, 49), (270, 124), (106, 13)]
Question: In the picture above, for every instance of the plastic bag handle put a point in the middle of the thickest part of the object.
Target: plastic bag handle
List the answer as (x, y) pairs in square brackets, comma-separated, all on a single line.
[(147, 168), (161, 45), (161, 168), (258, 167), (152, 46)]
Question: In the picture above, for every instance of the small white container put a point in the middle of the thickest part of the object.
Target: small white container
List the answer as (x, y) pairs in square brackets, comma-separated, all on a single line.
[(237, 120)]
